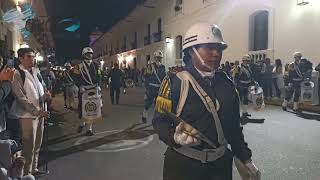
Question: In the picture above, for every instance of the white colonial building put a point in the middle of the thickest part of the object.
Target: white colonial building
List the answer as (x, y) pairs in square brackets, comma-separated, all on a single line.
[(262, 28)]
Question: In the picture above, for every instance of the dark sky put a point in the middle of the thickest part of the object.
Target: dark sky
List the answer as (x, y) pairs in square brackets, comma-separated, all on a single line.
[(101, 14)]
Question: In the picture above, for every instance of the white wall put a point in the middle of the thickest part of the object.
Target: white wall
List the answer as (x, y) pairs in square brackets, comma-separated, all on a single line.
[(291, 27)]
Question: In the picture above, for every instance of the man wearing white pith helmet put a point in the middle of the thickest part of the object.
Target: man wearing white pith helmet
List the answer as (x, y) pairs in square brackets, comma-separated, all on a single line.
[(294, 83), (245, 80), (207, 104), (87, 75), (154, 74)]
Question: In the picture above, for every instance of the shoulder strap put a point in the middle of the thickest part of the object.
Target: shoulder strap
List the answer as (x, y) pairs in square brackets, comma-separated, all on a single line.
[(187, 78), (155, 72), (22, 74)]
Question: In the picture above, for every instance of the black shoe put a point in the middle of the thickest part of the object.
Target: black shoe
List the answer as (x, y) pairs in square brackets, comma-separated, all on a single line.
[(89, 133), (80, 128), (297, 110), (38, 173), (246, 114), (284, 108), (144, 120)]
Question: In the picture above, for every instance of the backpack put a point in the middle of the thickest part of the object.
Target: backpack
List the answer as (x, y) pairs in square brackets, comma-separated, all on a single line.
[(23, 76)]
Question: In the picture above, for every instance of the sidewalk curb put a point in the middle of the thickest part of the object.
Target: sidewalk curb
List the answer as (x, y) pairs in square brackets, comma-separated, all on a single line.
[(304, 107)]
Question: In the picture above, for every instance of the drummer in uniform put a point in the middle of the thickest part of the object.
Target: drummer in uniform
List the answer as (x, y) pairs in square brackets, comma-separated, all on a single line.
[(295, 78), (87, 79), (245, 80)]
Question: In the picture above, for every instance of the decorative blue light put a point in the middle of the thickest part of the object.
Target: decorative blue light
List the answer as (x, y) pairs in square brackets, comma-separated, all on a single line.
[(74, 24)]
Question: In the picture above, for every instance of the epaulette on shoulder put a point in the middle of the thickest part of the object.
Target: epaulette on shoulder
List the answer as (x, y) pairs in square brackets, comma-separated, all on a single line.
[(163, 101), (224, 76)]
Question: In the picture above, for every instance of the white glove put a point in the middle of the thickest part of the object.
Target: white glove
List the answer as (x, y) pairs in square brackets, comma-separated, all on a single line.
[(82, 90), (255, 174), (185, 135)]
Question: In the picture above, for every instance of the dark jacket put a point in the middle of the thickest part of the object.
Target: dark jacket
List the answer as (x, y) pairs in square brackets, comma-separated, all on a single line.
[(246, 76), (116, 76), (81, 79), (194, 112), (151, 77), (295, 73)]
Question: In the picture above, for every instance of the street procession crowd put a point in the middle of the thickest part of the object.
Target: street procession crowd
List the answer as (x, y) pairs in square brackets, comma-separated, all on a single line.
[(197, 104)]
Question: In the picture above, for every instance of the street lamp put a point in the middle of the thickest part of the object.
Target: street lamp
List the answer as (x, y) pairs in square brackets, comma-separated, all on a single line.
[(24, 45), (168, 39), (302, 2)]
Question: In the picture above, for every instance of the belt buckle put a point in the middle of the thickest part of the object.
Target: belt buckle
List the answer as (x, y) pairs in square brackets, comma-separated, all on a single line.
[(204, 159), (206, 156)]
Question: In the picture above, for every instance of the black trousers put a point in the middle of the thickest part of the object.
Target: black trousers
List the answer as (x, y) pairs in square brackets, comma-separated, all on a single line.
[(180, 167), (14, 127), (65, 95), (151, 93), (296, 89), (267, 87), (275, 83), (114, 94), (80, 105), (244, 93)]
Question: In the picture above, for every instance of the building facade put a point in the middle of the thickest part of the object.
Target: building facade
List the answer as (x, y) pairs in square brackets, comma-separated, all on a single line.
[(24, 23), (262, 28)]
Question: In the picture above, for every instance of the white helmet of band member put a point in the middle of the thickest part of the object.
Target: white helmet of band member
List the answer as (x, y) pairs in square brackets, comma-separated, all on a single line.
[(203, 33), (158, 53), (87, 50), (67, 65), (246, 57), (297, 54)]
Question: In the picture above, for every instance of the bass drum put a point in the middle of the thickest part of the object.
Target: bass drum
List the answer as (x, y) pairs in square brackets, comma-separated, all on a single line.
[(307, 94), (129, 83), (257, 97)]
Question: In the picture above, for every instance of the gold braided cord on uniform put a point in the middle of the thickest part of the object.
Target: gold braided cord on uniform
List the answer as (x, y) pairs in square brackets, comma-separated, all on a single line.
[(163, 102), (76, 70), (148, 70)]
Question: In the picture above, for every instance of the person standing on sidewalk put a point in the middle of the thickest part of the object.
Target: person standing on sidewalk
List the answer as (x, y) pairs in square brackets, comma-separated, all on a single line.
[(69, 87), (116, 76), (277, 76), (86, 78), (267, 79), (31, 95)]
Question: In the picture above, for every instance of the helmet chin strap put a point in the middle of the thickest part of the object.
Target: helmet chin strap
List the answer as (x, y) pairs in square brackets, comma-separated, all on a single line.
[(201, 60), (88, 61)]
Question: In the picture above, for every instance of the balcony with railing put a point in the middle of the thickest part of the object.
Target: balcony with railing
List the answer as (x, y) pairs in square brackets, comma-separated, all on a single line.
[(261, 55), (157, 36)]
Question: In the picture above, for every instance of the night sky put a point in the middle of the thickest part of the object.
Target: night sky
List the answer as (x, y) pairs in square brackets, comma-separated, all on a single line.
[(93, 14)]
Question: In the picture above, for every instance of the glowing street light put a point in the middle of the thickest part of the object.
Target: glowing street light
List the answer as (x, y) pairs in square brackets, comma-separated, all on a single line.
[(168, 39), (24, 45)]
